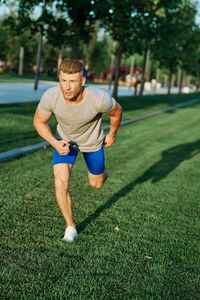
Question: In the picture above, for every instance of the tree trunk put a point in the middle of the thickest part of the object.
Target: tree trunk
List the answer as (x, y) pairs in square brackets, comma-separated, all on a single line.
[(180, 83), (112, 66), (132, 69), (91, 47), (75, 42), (58, 64), (21, 61), (169, 82), (157, 75), (37, 73), (111, 71), (117, 73), (143, 73), (148, 66), (197, 77)]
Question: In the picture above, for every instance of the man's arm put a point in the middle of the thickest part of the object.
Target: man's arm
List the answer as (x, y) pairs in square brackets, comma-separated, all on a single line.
[(115, 119), (41, 126)]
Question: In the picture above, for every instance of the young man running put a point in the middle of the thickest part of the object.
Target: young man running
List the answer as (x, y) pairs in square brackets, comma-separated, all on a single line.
[(78, 110)]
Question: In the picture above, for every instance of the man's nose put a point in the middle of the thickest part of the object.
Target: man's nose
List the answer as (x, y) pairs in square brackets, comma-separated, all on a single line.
[(67, 86)]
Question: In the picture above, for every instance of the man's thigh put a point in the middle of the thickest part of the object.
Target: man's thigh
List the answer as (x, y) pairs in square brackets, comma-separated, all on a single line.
[(96, 167), (61, 177), (62, 167), (95, 161), (65, 159)]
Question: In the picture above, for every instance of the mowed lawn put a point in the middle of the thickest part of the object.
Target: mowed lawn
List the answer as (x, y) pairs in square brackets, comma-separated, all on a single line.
[(152, 195)]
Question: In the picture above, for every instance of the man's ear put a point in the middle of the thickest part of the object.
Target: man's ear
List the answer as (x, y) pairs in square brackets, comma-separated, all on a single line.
[(83, 81)]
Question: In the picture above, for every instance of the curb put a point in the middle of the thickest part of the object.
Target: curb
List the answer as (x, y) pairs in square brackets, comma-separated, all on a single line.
[(11, 154)]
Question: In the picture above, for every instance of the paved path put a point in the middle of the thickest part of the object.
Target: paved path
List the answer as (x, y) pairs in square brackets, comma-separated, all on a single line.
[(21, 92), (24, 92)]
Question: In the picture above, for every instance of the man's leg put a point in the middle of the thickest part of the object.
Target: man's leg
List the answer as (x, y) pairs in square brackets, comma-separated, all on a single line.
[(62, 167), (96, 168), (97, 181), (61, 178)]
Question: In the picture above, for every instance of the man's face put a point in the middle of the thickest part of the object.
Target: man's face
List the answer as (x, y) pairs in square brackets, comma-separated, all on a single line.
[(71, 85)]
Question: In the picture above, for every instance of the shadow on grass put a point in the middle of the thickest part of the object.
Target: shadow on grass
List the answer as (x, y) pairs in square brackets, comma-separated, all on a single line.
[(171, 159)]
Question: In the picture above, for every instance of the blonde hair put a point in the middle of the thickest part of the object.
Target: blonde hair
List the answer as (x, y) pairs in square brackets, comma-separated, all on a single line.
[(71, 66)]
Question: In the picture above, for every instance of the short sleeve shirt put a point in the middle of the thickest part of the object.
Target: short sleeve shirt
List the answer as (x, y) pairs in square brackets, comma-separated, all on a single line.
[(79, 124)]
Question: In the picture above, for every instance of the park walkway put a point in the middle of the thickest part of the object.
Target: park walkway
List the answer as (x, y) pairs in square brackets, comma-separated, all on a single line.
[(24, 92)]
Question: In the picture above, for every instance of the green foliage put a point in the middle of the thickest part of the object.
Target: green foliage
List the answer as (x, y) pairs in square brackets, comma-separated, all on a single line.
[(58, 33), (50, 59), (81, 18), (175, 36), (99, 58), (11, 43), (4, 44), (167, 27)]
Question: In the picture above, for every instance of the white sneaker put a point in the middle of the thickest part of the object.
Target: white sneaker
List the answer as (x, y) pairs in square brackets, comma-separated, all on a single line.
[(70, 234)]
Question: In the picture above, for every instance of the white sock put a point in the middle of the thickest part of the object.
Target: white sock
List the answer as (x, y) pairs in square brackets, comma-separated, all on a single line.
[(70, 234)]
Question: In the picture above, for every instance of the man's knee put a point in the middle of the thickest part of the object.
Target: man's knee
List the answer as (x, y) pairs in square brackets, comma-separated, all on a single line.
[(61, 185), (96, 185), (61, 177), (97, 181)]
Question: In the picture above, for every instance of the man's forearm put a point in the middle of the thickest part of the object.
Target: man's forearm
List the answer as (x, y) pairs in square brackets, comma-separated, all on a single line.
[(115, 123), (45, 132)]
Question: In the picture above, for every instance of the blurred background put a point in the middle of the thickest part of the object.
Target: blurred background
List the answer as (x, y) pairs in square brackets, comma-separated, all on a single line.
[(138, 43)]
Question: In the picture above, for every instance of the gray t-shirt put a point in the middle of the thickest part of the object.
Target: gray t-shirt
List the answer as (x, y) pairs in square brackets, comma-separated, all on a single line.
[(79, 124)]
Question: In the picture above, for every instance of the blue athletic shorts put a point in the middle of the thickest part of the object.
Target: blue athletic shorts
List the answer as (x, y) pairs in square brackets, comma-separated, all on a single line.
[(94, 160)]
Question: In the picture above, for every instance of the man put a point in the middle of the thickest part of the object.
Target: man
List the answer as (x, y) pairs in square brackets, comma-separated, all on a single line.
[(78, 110)]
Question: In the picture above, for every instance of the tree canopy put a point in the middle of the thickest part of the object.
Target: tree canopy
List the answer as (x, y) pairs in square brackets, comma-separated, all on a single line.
[(166, 28)]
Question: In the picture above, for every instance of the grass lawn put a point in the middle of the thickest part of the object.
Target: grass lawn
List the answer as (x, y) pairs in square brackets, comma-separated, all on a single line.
[(16, 120), (27, 78), (152, 195)]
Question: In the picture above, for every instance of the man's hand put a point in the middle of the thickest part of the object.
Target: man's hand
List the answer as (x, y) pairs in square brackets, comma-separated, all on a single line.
[(62, 147), (109, 140)]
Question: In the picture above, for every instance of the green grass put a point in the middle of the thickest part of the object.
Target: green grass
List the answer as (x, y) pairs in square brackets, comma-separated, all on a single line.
[(152, 195), (16, 125), (16, 119), (26, 78)]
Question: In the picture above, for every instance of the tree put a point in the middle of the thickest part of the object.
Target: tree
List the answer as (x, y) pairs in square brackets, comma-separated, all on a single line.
[(4, 43), (27, 21), (11, 41), (190, 56), (174, 31), (81, 18), (118, 19), (98, 53), (149, 17)]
